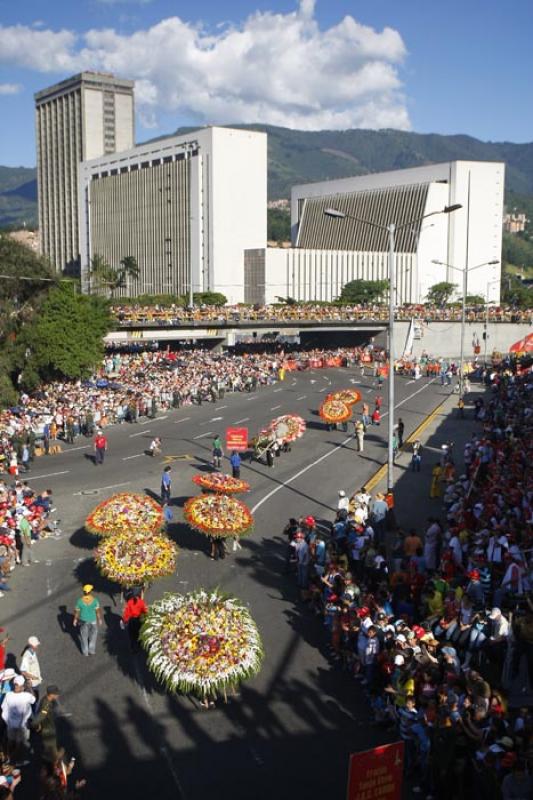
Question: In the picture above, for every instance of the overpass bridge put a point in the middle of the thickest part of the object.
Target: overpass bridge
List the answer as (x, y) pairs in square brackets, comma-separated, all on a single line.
[(439, 338)]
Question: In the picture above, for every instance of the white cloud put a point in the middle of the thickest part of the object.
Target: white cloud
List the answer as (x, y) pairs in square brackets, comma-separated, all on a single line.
[(273, 68), (10, 88)]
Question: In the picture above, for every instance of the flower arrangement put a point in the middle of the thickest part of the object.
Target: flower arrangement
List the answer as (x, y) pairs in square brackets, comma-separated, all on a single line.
[(217, 482), (347, 396), (333, 411), (218, 515), (288, 427), (134, 558), (125, 511), (201, 643)]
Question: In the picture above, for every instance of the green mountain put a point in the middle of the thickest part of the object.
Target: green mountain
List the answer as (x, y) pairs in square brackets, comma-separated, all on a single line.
[(305, 156)]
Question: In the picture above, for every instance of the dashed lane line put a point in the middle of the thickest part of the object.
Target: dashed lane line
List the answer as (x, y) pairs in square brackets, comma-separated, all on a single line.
[(302, 397), (100, 489), (219, 408), (47, 475), (244, 419), (128, 458), (183, 419), (141, 433), (275, 407), (203, 435)]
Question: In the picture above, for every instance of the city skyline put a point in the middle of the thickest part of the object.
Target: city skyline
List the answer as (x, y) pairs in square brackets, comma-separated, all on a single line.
[(334, 65)]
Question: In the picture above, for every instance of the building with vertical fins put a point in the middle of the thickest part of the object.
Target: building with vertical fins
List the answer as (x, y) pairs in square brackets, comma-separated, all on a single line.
[(83, 117)]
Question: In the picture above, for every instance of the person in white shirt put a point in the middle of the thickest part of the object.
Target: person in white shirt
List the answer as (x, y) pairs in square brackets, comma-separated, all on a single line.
[(29, 665), (343, 502), (16, 711)]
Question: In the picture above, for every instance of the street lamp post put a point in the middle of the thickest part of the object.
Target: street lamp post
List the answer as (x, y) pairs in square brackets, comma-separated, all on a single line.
[(486, 331), (391, 230), (465, 272)]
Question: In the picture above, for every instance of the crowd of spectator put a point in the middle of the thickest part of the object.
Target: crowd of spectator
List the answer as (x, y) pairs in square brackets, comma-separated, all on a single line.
[(438, 628), (128, 386), (179, 315)]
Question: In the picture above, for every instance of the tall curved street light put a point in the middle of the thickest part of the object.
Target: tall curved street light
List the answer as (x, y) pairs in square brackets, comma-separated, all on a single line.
[(391, 229), (465, 272)]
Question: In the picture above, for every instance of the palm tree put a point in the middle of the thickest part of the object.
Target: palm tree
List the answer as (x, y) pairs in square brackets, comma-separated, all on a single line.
[(129, 268), (105, 277)]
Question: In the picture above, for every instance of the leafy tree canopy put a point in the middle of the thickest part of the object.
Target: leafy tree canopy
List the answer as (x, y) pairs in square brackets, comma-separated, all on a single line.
[(67, 338), (278, 225), (440, 293), (362, 292), (210, 299), (515, 293)]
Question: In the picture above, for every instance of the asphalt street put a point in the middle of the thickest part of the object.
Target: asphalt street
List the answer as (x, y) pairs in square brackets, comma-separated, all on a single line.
[(290, 731)]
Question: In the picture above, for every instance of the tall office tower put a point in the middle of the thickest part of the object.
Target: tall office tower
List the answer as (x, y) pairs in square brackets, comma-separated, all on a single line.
[(84, 117)]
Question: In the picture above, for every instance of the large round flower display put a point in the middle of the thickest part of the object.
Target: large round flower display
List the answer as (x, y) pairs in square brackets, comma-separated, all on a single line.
[(135, 559), (288, 427), (201, 643), (125, 511), (347, 396), (218, 482), (218, 515), (333, 411)]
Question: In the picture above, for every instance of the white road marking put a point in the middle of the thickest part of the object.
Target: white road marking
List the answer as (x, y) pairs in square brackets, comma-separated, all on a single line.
[(141, 433), (72, 449), (277, 390), (202, 435), (323, 390), (216, 419), (127, 458), (274, 408), (312, 381), (48, 475), (147, 421), (244, 419), (103, 488), (185, 419), (302, 397), (156, 419), (408, 382), (219, 408), (326, 455), (252, 398)]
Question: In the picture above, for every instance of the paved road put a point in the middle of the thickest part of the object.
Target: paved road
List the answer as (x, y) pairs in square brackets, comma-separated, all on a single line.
[(290, 732)]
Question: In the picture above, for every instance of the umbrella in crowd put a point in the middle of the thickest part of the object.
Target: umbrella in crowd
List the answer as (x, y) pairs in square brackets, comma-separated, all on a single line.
[(218, 482), (201, 643), (525, 345), (333, 411), (125, 512), (135, 559), (218, 515)]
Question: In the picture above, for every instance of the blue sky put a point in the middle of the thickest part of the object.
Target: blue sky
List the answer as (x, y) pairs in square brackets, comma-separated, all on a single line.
[(462, 66)]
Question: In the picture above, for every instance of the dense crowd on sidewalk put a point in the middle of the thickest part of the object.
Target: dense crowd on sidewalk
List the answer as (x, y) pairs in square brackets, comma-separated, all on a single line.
[(437, 627), (176, 315)]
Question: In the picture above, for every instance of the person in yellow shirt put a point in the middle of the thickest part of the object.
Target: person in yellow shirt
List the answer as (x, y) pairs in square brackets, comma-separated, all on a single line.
[(435, 603)]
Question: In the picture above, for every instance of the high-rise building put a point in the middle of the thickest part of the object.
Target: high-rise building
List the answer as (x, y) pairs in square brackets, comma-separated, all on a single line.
[(86, 116)]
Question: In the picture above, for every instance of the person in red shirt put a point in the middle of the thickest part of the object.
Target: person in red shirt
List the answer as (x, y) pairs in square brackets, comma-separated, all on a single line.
[(132, 617), (100, 447), (376, 417)]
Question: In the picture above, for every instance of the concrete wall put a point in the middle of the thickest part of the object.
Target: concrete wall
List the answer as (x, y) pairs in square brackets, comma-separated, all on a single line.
[(444, 338)]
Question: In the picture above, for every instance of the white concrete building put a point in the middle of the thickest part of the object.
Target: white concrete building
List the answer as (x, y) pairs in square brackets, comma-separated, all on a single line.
[(329, 252), (82, 117), (185, 207)]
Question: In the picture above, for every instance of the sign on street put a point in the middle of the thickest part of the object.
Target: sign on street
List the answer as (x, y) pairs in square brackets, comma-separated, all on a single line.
[(376, 774), (237, 439)]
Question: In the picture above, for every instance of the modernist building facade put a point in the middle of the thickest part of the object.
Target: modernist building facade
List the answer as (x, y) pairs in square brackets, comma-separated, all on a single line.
[(185, 207), (329, 252), (80, 118)]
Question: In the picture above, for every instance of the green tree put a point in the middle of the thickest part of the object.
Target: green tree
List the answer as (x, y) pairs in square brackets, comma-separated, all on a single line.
[(475, 300), (210, 299), (278, 225), (362, 292), (516, 293), (66, 339), (440, 293), (129, 269), (104, 277)]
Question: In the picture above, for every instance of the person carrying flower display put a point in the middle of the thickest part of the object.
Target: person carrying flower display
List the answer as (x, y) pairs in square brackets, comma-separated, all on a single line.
[(133, 615)]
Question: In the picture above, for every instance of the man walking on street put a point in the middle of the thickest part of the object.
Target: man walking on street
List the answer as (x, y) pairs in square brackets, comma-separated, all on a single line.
[(235, 462), (87, 616), (166, 485), (360, 435), (16, 711), (100, 447), (401, 429), (29, 665), (44, 723)]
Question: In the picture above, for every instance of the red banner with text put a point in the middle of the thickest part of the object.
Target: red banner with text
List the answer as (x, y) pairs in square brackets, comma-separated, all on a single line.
[(237, 439), (376, 774)]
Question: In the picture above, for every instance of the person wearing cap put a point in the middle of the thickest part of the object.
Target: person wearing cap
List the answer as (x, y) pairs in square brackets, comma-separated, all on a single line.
[(87, 616), (6, 682), (16, 711), (343, 502), (29, 665), (44, 723)]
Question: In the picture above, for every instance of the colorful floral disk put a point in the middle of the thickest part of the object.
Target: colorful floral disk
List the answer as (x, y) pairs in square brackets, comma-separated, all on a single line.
[(335, 411), (201, 644), (348, 396), (217, 482), (132, 558), (288, 427), (218, 515), (125, 511)]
